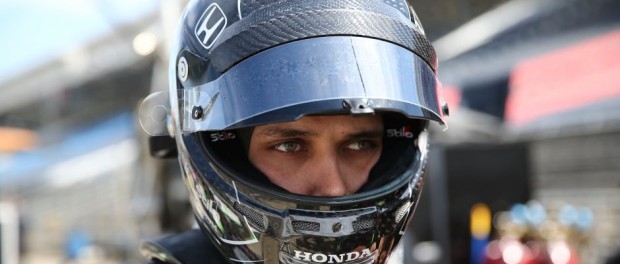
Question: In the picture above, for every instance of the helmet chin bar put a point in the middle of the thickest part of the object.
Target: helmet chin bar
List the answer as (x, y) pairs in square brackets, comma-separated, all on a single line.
[(358, 228), (309, 235)]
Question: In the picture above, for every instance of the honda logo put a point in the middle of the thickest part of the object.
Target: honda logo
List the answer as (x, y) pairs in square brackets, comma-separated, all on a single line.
[(210, 25)]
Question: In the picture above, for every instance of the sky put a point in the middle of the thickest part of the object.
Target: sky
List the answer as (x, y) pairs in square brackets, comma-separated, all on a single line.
[(33, 32)]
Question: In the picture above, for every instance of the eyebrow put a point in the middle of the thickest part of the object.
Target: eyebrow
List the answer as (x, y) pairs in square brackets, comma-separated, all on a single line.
[(290, 133), (374, 133), (286, 132)]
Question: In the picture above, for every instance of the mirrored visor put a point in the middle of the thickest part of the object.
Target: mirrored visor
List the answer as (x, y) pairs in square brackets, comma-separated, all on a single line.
[(321, 75)]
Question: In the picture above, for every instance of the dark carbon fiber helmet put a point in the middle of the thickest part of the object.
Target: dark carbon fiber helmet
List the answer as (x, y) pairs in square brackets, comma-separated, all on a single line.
[(239, 64)]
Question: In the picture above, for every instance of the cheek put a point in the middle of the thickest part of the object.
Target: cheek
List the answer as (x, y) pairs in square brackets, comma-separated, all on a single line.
[(357, 169), (274, 168), (362, 162)]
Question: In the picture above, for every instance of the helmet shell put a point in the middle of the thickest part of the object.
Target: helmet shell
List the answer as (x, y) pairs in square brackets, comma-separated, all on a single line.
[(237, 64)]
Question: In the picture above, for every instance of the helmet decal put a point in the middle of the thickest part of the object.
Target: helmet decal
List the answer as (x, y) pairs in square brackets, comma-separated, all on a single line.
[(353, 257), (403, 132), (222, 136), (210, 25)]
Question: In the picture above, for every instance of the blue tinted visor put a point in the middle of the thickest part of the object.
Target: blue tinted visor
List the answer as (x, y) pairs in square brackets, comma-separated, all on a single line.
[(337, 74)]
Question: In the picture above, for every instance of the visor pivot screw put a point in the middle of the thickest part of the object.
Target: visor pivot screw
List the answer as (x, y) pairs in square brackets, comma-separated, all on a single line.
[(445, 109), (197, 112), (182, 69), (337, 227)]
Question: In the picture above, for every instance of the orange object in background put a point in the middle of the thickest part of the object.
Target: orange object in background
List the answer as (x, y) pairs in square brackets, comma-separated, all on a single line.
[(16, 139), (569, 78)]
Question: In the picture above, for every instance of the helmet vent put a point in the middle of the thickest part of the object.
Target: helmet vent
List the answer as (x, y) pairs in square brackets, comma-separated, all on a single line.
[(254, 217), (306, 226), (363, 224)]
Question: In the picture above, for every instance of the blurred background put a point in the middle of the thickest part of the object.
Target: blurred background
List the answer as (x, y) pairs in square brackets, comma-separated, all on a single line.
[(528, 172)]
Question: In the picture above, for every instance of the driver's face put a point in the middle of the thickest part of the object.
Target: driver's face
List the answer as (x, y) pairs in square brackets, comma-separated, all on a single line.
[(318, 155)]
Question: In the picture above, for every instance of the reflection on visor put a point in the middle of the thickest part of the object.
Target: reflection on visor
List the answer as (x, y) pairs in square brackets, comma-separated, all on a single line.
[(329, 74), (223, 222)]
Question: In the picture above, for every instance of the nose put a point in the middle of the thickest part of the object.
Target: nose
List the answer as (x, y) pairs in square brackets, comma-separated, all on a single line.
[(327, 177)]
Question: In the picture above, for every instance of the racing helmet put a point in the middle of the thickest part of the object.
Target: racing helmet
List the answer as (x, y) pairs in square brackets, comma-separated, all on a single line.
[(239, 64)]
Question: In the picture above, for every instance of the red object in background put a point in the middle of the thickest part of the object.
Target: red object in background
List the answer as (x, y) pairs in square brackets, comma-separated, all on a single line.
[(508, 251), (452, 96), (513, 251), (565, 79)]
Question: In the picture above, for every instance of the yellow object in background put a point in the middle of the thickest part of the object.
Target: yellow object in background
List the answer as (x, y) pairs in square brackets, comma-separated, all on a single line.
[(480, 221)]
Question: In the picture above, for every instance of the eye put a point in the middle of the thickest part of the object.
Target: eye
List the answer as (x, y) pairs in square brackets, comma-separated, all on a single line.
[(360, 145), (289, 146)]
